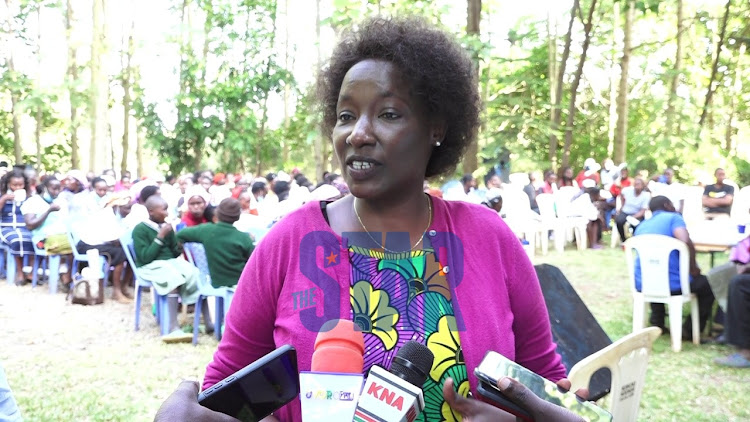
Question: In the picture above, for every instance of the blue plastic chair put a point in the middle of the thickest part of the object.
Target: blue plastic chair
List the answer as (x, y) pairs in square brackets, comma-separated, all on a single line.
[(42, 260), (10, 263), (3, 259), (196, 255), (140, 284)]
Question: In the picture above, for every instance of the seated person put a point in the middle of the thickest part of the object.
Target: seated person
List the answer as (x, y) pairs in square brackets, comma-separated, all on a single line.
[(530, 191), (592, 206), (101, 230), (138, 212), (47, 219), (550, 183), (156, 256), (717, 198), (13, 231), (227, 249), (590, 172), (197, 199), (666, 221), (737, 326), (634, 204), (494, 200)]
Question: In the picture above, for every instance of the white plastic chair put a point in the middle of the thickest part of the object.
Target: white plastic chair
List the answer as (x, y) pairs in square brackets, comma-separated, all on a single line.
[(654, 251), (549, 220), (741, 206), (522, 220), (693, 207), (627, 360), (126, 241), (574, 225)]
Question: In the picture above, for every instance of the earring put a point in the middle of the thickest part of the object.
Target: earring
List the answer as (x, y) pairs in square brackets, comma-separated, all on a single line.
[(437, 144)]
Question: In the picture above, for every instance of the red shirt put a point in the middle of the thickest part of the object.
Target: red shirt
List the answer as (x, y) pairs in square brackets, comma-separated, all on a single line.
[(617, 189)]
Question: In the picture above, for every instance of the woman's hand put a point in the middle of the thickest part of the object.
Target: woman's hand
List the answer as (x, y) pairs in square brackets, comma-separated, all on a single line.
[(54, 207), (477, 411), (183, 405), (8, 197)]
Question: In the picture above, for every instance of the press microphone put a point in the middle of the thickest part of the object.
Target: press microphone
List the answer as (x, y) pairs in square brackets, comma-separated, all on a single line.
[(396, 395), (330, 390)]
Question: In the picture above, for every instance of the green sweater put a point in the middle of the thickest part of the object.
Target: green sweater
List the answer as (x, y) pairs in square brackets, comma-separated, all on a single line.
[(227, 250), (148, 250)]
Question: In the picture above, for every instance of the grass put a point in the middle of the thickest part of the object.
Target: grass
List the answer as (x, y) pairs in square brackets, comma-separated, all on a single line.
[(684, 386), (75, 363)]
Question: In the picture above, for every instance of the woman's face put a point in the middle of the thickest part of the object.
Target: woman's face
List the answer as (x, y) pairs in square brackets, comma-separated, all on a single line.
[(16, 183), (53, 188), (381, 136), (206, 183), (101, 189), (196, 206), (568, 173)]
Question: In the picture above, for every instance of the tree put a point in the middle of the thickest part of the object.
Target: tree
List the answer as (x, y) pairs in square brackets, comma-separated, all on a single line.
[(473, 19), (558, 82), (715, 67), (75, 98), (15, 83), (127, 59), (621, 131), (587, 27), (99, 88), (676, 70)]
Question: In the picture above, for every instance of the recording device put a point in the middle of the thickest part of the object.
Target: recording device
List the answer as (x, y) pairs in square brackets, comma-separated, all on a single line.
[(396, 395), (330, 390), (257, 390), (495, 366)]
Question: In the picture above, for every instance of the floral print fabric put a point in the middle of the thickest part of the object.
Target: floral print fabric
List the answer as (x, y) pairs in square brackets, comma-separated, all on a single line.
[(398, 297)]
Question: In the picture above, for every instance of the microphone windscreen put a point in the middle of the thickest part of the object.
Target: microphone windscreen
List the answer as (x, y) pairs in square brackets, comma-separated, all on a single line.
[(339, 349), (412, 363)]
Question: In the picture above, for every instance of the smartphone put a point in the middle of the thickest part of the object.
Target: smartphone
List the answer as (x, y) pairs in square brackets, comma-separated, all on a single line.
[(257, 390), (495, 366)]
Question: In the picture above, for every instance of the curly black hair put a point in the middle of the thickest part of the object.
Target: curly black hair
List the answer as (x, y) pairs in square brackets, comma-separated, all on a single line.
[(14, 174), (438, 69)]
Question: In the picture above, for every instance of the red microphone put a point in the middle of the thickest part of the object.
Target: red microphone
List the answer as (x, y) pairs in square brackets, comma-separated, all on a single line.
[(330, 391)]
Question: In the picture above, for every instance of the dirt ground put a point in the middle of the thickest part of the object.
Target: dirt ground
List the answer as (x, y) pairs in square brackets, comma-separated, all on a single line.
[(72, 362)]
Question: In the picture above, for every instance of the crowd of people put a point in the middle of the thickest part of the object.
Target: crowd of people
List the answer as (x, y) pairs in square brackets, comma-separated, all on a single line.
[(377, 244)]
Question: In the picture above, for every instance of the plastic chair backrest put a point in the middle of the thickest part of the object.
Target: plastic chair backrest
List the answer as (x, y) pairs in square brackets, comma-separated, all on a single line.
[(653, 251), (126, 241), (627, 360), (546, 203), (741, 206), (693, 207), (516, 203), (196, 255)]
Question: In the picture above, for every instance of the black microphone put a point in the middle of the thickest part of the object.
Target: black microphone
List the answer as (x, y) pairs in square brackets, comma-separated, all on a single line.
[(396, 395)]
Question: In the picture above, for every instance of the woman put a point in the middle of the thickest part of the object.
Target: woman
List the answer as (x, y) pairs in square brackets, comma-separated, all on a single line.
[(566, 178), (401, 103), (47, 220), (13, 231), (197, 200)]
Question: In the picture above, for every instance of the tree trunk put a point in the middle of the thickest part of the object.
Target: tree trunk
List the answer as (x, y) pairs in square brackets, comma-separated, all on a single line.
[(39, 111), (14, 97), (319, 140), (98, 102), (676, 69), (587, 27), (127, 100), (736, 91), (557, 98), (613, 82), (72, 77), (139, 152), (287, 87), (621, 131), (474, 18), (264, 115), (714, 69)]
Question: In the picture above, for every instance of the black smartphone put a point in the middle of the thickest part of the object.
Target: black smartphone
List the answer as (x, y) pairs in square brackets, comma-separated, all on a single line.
[(495, 366), (257, 390)]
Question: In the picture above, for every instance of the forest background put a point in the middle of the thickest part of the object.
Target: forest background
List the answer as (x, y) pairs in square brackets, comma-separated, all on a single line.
[(178, 85)]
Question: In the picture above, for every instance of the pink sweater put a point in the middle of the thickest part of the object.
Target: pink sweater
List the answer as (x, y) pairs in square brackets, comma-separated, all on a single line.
[(498, 301)]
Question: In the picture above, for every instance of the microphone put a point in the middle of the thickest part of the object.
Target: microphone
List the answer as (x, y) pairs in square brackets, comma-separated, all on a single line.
[(396, 395), (330, 390)]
